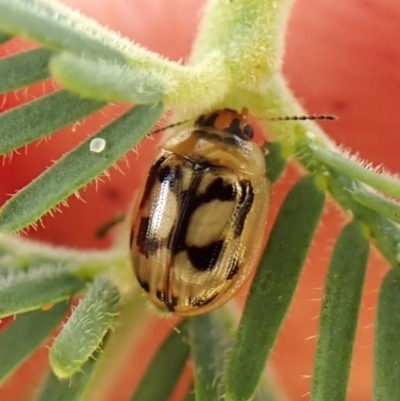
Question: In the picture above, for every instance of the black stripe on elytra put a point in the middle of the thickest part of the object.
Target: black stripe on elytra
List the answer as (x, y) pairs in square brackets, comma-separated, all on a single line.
[(170, 303), (141, 240), (148, 244), (144, 285), (172, 176), (233, 269), (190, 201), (164, 173), (245, 203), (132, 236), (206, 257), (197, 301), (151, 179)]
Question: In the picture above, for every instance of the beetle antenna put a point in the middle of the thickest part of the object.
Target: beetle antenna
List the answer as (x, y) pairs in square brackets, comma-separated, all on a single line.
[(170, 126), (330, 117)]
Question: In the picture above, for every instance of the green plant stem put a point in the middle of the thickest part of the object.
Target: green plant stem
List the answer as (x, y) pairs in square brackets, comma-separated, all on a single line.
[(250, 35)]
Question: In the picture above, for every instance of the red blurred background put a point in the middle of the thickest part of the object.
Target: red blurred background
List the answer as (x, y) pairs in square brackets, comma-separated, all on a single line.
[(342, 58)]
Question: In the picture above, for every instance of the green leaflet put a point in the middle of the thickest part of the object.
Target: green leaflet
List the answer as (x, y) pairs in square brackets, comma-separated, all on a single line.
[(56, 26), (4, 37), (24, 69), (165, 368), (275, 161), (106, 80), (386, 385), (42, 117), (385, 207), (273, 287), (19, 339), (385, 233), (210, 341), (339, 314), (72, 389), (40, 287), (190, 396), (77, 168), (386, 184), (83, 333)]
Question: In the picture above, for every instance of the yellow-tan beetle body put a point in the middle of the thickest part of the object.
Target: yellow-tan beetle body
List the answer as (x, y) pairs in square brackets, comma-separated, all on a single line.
[(198, 227)]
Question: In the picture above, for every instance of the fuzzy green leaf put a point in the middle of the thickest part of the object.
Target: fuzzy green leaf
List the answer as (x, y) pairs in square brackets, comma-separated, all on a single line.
[(387, 185), (273, 287), (210, 343), (29, 122), (85, 329), (166, 367), (26, 291), (77, 168), (24, 69), (23, 336), (374, 201), (72, 389), (386, 384), (339, 314), (55, 26), (275, 161), (105, 80)]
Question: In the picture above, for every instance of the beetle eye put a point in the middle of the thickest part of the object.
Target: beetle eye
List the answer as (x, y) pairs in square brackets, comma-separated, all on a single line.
[(248, 131)]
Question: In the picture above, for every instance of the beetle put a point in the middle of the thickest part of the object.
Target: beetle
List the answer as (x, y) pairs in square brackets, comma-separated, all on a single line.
[(198, 225)]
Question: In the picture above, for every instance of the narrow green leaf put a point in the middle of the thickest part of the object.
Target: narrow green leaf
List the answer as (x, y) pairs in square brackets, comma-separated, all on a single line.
[(26, 291), (210, 343), (56, 26), (166, 367), (23, 336), (190, 396), (384, 183), (387, 340), (72, 389), (374, 201), (339, 314), (273, 287), (24, 69), (41, 117), (275, 161), (105, 80), (77, 168), (4, 37), (267, 391), (385, 233), (85, 329)]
